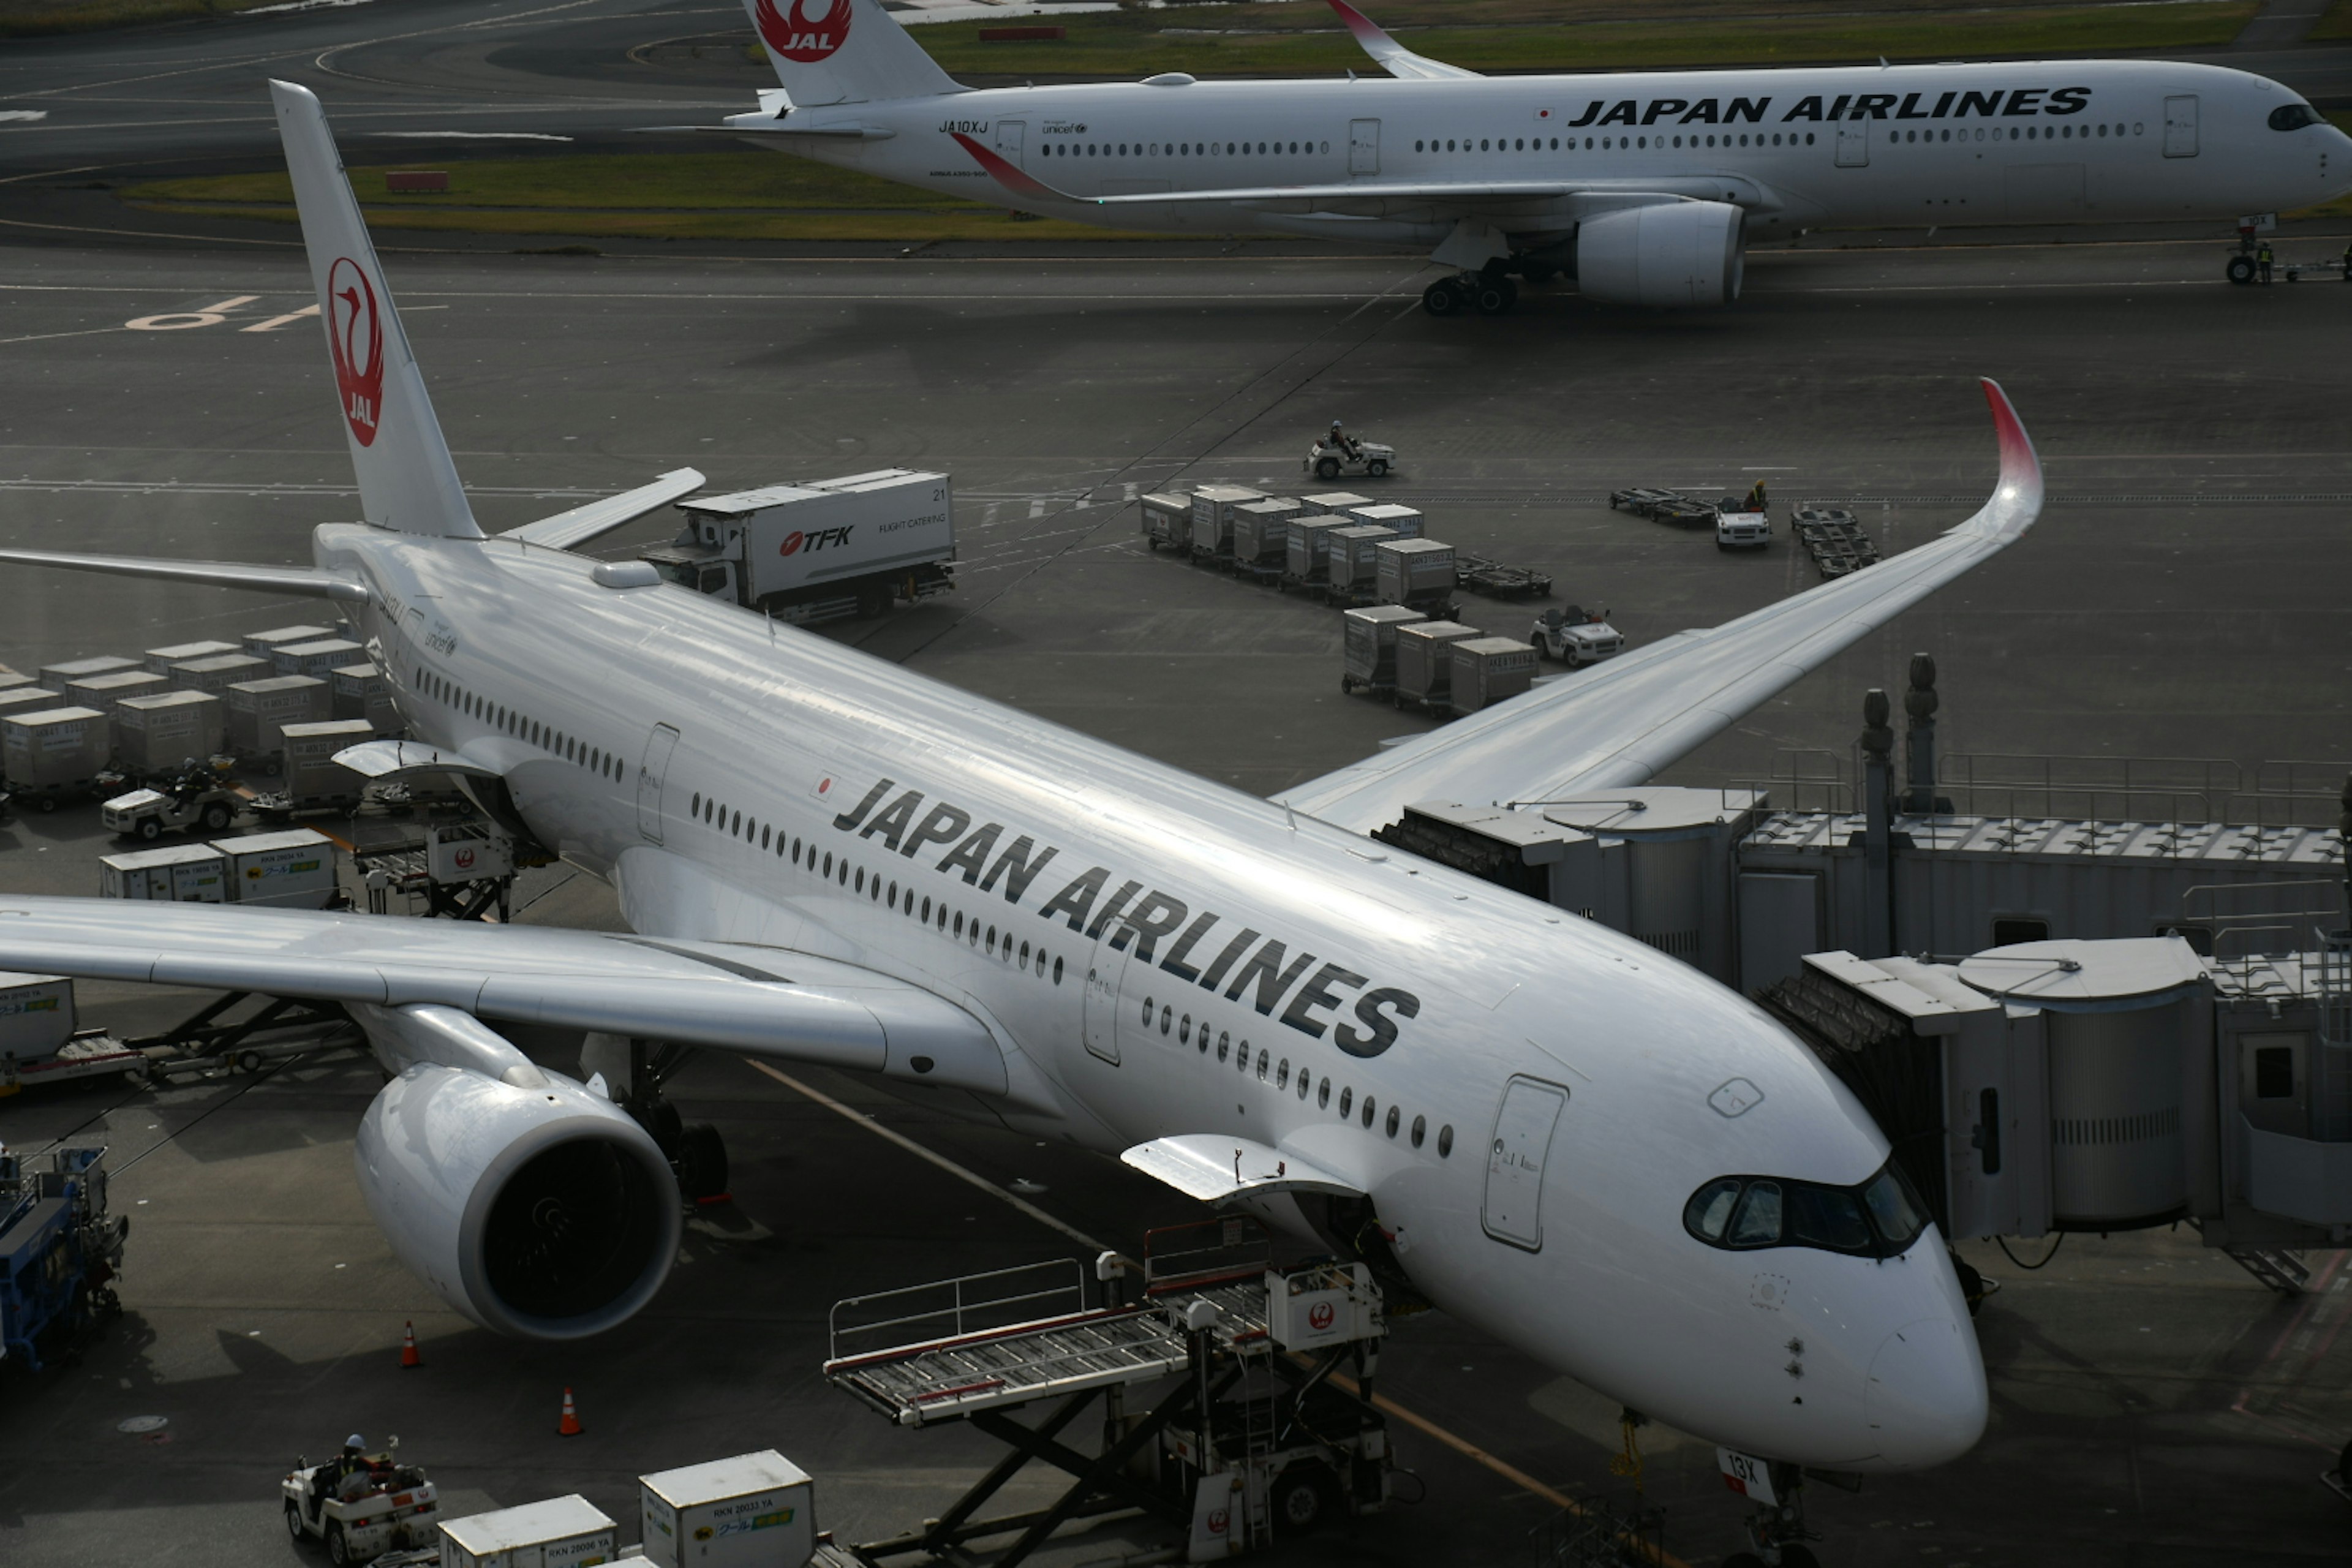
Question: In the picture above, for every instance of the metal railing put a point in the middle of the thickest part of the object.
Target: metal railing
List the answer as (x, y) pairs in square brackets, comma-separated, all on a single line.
[(1803, 779), (2259, 918), (2111, 789), (952, 1309)]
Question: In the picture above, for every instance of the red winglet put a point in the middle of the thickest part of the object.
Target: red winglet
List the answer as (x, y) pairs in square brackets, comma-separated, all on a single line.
[(1366, 30), (2021, 468), (1011, 176)]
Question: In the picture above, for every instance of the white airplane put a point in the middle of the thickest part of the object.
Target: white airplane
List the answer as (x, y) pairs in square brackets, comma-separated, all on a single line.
[(1572, 1141), (1642, 185)]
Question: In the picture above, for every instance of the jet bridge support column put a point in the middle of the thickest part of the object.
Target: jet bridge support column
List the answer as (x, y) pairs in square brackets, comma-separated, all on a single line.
[(1878, 780)]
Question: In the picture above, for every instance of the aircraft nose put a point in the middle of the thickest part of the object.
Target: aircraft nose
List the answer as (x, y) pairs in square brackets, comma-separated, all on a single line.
[(1925, 1397)]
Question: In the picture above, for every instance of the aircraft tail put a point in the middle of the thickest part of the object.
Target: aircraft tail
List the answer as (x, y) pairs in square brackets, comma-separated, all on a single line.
[(844, 51), (407, 481)]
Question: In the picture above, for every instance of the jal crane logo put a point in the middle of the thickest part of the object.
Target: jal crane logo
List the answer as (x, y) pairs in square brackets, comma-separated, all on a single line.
[(810, 32), (355, 337), (464, 859), (1321, 1316)]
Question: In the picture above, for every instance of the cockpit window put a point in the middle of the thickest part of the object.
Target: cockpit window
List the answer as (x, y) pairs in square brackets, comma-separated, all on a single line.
[(2294, 117), (1880, 1218)]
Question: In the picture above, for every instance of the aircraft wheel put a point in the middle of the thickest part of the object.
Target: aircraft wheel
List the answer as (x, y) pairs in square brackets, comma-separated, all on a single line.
[(701, 1162), (1495, 296), (1442, 299), (2242, 269)]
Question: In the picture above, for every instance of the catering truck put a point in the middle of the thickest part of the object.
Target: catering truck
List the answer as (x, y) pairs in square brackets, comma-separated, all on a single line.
[(821, 550)]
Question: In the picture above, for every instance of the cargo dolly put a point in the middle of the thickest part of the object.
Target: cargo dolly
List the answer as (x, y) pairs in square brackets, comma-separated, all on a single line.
[(1251, 1431), (1836, 540), (1493, 580)]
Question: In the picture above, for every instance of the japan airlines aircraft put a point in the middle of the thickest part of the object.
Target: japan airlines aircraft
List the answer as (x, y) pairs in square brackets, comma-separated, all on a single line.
[(1643, 185), (1569, 1138)]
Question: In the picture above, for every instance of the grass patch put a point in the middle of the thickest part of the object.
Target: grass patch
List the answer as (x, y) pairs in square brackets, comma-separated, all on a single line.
[(732, 195), (1242, 40), (2335, 24), (33, 18)]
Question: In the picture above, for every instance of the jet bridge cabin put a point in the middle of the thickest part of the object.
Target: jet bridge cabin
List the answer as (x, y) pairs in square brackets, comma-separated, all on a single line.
[(820, 551)]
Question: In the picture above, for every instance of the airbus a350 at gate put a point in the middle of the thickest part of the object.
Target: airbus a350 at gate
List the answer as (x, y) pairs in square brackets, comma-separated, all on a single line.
[(1644, 186), (1569, 1139)]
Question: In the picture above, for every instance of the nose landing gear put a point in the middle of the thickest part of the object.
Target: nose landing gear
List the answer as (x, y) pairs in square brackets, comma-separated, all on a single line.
[(1776, 1531)]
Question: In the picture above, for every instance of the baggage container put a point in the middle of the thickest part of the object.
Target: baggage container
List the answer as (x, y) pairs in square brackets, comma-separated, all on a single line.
[(1416, 572), (1355, 561), (1404, 520), (1371, 642), (295, 868), (26, 699), (824, 536), (1212, 516), (54, 750), (561, 1532), (10, 679), (258, 710), (219, 672), (313, 777), (162, 659), (103, 692), (1167, 520), (1424, 659), (57, 677), (184, 874), (361, 692), (1262, 530), (318, 658), (154, 734), (755, 1510), (1310, 547), (37, 1015), (1333, 504), (1488, 669), (261, 644)]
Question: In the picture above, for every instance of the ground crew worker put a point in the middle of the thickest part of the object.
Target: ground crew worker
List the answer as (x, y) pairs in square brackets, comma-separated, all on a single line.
[(1338, 441), (2347, 261), (327, 1480), (2262, 259), (1755, 498)]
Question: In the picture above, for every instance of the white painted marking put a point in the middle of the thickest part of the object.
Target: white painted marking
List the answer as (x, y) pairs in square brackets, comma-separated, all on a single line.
[(181, 321), (274, 322), (474, 135), (24, 114), (1038, 506)]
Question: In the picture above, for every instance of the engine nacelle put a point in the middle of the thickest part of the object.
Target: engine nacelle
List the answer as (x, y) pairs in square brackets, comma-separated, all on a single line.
[(534, 1208), (1677, 253)]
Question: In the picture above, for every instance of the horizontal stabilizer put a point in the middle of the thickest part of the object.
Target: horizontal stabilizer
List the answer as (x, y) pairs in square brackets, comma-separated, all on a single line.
[(304, 579), (571, 530), (1216, 1169)]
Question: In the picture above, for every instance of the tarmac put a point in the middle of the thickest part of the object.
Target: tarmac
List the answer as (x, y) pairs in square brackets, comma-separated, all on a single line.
[(2188, 592)]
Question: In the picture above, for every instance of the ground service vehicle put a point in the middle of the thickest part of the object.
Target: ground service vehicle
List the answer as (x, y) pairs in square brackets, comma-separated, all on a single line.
[(1575, 638), (197, 800), (1737, 529), (384, 1506), (1373, 460), (820, 551)]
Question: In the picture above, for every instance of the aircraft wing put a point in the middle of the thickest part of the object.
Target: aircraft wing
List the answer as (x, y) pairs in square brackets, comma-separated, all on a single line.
[(571, 530), (760, 1000), (304, 579), (1617, 725), (1393, 56)]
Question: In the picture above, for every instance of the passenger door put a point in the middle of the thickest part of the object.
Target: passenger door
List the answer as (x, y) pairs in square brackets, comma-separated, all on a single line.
[(2181, 126), (1515, 1158), (1010, 134), (1854, 144), (1363, 146), (650, 774), (1103, 1003)]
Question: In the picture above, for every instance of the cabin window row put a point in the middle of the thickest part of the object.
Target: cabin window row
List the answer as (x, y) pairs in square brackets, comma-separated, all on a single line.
[(1265, 1070), (571, 748), (1605, 143), (1181, 149)]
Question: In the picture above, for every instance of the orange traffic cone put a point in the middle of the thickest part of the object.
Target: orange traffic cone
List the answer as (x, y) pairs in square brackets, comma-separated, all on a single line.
[(570, 1425), (408, 1356)]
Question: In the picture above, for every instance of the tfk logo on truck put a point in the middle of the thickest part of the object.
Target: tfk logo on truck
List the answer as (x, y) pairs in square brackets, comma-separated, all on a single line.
[(822, 539), (17, 1009), (355, 337), (811, 31)]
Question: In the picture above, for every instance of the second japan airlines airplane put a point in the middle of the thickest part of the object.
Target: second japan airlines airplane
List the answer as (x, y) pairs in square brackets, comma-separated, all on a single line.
[(1544, 1126), (1643, 186)]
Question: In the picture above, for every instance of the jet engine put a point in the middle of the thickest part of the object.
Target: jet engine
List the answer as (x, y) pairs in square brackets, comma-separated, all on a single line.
[(1678, 254), (534, 1207)]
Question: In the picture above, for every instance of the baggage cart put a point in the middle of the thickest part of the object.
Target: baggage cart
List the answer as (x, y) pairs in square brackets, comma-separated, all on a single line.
[(1488, 669), (37, 1015), (294, 868), (181, 874), (160, 733), (1307, 560), (162, 659), (1404, 521), (313, 777), (57, 677), (261, 644), (1353, 571), (1492, 579), (1166, 520), (1416, 572), (218, 673), (1262, 535), (1213, 518), (53, 754), (754, 1510), (103, 691), (12, 678), (561, 1532), (1368, 646), (259, 709), (318, 658), (26, 699), (1424, 662), (361, 692), (1333, 504)]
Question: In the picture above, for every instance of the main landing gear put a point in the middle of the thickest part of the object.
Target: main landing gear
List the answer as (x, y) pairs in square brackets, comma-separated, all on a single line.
[(1488, 294), (635, 1070)]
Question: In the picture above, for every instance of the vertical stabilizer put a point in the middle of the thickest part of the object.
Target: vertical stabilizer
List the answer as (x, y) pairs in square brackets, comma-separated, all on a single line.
[(844, 51), (406, 480)]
